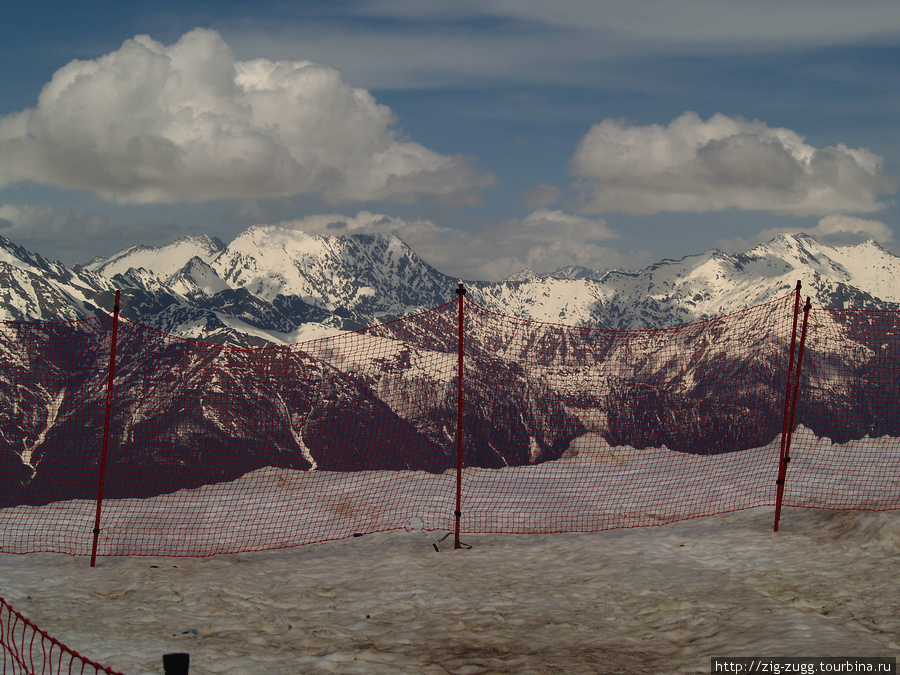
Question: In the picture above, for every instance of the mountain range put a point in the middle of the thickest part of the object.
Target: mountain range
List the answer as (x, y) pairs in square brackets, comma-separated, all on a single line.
[(275, 285), (188, 413)]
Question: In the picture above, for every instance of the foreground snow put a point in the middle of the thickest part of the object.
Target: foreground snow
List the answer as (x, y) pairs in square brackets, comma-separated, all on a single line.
[(652, 600)]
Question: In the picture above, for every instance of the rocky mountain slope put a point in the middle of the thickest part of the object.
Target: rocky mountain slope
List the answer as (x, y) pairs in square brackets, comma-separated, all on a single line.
[(189, 413)]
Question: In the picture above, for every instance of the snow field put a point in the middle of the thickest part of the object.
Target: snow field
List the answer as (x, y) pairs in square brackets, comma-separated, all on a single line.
[(593, 487), (651, 600)]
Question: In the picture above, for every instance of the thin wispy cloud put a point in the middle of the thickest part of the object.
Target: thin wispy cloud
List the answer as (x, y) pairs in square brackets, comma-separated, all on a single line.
[(835, 229), (694, 24), (542, 195), (543, 241), (422, 44), (81, 235)]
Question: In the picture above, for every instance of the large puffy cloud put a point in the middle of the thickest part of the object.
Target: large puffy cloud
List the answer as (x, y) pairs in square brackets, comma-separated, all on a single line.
[(543, 241), (721, 163), (155, 123)]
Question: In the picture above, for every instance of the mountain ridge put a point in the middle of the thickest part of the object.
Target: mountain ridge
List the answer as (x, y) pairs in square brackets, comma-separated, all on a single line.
[(276, 285), (386, 398)]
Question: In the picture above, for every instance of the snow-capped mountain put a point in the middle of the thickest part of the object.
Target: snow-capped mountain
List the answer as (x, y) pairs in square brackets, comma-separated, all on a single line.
[(677, 292), (33, 288), (534, 387), (369, 277), (276, 285), (164, 261)]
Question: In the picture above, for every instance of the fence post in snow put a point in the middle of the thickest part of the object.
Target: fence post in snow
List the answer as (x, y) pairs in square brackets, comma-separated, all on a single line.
[(109, 394), (461, 291), (788, 430), (787, 387)]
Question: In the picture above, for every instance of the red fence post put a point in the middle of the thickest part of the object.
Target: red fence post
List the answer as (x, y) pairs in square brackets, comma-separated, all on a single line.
[(106, 421), (461, 291), (788, 430), (787, 387)]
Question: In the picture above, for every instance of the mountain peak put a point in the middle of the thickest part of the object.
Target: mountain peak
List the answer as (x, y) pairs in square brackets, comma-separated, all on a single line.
[(281, 278), (196, 278), (291, 238), (576, 272), (162, 261), (18, 256), (524, 275), (376, 271)]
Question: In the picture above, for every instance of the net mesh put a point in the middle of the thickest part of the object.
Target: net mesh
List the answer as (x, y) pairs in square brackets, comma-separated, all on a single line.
[(621, 428), (52, 386), (214, 449), (25, 649), (845, 451)]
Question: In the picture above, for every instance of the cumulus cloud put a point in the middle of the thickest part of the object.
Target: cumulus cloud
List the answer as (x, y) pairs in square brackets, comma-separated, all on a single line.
[(188, 122), (724, 162), (543, 241)]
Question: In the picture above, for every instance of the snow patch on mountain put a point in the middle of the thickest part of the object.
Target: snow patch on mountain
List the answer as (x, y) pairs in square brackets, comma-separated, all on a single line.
[(196, 278), (270, 282), (376, 272), (163, 261)]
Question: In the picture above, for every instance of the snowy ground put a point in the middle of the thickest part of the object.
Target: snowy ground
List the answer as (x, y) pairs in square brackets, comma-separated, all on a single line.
[(652, 600), (594, 487)]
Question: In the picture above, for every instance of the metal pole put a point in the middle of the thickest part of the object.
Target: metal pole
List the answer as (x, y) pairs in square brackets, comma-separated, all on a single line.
[(786, 439), (461, 291), (109, 398)]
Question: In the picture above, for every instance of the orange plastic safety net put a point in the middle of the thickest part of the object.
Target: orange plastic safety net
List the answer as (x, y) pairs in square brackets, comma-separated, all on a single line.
[(191, 449), (25, 649)]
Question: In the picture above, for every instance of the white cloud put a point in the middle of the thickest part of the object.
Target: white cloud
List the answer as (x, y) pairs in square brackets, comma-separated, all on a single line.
[(188, 122), (543, 241), (426, 44), (71, 237), (550, 226), (842, 225), (724, 23), (833, 230), (724, 162)]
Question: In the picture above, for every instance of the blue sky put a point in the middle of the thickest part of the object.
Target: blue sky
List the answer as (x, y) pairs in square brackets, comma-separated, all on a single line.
[(490, 135)]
